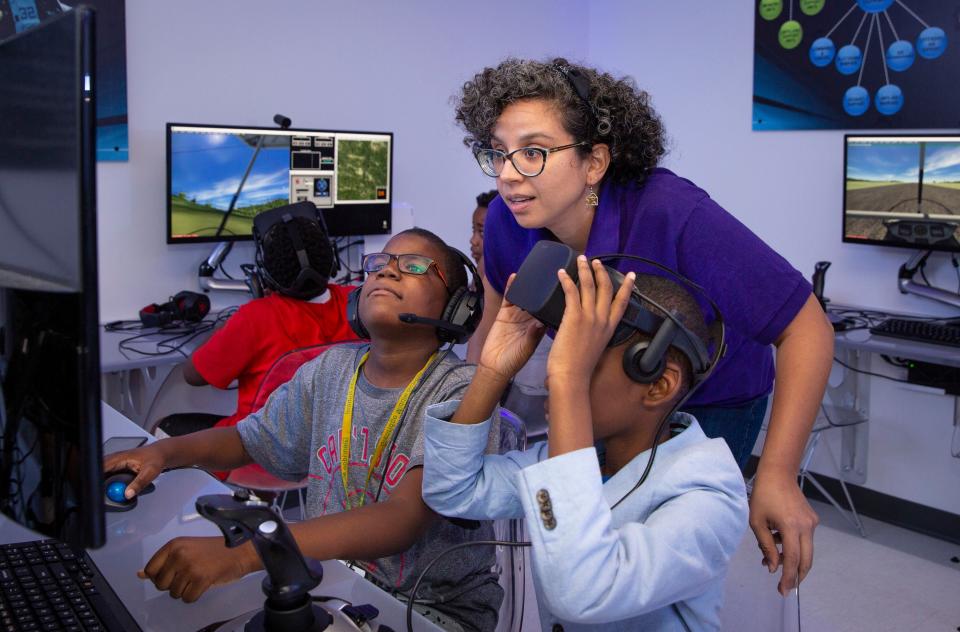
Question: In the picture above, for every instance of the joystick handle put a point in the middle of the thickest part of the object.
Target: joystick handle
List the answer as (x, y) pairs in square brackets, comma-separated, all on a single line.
[(241, 518), (819, 278)]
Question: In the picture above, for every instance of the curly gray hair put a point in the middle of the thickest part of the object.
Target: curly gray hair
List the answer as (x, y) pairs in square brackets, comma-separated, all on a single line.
[(615, 111)]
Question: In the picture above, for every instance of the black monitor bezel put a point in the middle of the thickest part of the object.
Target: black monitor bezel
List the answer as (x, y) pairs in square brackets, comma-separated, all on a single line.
[(843, 208), (374, 218), (89, 487)]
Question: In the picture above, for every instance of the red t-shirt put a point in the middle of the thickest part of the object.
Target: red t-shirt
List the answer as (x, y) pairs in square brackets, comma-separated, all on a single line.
[(263, 330)]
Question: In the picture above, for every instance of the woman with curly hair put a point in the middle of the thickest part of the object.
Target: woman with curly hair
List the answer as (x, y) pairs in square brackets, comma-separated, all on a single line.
[(574, 152)]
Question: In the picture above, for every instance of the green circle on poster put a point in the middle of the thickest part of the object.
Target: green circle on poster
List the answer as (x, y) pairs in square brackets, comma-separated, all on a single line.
[(790, 34), (770, 9), (811, 7)]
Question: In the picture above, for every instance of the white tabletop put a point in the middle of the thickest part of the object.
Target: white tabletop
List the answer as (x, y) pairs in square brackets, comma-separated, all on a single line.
[(134, 536)]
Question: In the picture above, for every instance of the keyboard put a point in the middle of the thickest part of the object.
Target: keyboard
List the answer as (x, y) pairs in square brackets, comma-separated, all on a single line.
[(919, 331), (47, 585)]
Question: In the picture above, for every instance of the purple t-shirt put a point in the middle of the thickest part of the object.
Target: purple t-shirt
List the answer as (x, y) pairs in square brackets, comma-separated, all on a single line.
[(670, 220)]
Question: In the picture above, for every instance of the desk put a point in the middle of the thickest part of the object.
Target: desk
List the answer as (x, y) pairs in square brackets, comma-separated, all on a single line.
[(130, 383), (849, 400), (134, 536)]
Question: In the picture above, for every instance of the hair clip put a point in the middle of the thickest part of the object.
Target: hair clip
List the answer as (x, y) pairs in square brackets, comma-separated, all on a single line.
[(580, 84)]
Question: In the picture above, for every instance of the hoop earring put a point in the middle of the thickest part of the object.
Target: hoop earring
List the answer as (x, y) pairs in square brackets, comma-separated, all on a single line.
[(592, 199)]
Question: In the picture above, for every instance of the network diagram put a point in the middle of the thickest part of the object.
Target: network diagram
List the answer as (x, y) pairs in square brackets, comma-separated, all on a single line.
[(896, 52)]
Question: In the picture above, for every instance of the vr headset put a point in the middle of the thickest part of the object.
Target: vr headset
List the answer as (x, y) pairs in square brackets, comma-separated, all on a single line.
[(537, 290), (309, 282)]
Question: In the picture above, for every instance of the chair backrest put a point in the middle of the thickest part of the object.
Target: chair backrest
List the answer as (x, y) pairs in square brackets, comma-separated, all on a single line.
[(513, 432), (510, 560), (285, 367)]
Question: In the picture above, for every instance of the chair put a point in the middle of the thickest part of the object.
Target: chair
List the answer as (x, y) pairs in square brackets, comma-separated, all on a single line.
[(849, 419), (513, 436), (253, 477), (838, 419)]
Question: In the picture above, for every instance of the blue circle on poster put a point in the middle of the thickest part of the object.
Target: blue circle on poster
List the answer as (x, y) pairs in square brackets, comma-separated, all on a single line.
[(931, 42), (889, 99), (822, 51), (900, 55), (874, 6), (848, 59), (856, 100)]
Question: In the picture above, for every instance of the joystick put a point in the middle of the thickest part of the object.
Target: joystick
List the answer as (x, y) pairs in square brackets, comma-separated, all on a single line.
[(288, 606)]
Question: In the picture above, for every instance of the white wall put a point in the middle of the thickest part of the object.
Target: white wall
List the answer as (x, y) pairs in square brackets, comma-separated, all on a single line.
[(374, 65), (696, 59)]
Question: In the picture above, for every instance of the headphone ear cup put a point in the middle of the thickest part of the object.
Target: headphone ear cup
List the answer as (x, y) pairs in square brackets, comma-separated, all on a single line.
[(353, 314), (190, 306), (632, 358), (452, 314), (464, 308), (155, 315)]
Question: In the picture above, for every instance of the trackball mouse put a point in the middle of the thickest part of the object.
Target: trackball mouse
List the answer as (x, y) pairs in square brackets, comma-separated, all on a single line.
[(115, 484)]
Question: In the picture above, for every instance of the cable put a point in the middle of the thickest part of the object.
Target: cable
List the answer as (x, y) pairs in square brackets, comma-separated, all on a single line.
[(856, 370), (833, 424), (956, 267), (799, 626), (183, 332), (344, 263), (124, 325), (954, 452), (456, 547), (897, 362), (355, 242)]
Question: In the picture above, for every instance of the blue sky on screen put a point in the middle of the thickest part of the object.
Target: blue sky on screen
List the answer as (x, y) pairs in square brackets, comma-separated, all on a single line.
[(900, 162), (942, 163), (208, 168), (884, 161)]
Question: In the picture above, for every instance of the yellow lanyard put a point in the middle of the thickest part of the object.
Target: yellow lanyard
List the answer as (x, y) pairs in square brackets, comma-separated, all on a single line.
[(347, 427)]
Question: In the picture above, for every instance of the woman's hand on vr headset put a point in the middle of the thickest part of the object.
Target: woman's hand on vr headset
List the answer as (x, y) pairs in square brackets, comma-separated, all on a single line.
[(512, 339), (590, 316)]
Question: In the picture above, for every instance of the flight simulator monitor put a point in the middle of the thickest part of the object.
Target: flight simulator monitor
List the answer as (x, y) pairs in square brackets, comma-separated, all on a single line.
[(219, 178), (50, 455), (902, 191)]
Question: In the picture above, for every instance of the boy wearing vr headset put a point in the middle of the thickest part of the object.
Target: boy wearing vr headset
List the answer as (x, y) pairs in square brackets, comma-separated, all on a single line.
[(351, 421), (294, 306), (624, 536)]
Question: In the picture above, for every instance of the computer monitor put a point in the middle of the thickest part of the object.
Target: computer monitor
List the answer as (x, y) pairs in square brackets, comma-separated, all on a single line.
[(902, 191), (219, 177), (50, 462)]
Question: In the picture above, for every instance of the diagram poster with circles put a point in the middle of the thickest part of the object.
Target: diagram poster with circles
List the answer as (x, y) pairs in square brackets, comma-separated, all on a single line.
[(856, 64)]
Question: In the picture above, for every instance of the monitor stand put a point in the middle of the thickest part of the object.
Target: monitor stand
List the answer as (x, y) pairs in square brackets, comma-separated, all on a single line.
[(907, 285), (209, 267)]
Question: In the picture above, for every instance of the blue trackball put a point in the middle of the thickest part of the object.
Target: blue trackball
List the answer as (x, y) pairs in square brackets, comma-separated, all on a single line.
[(115, 491)]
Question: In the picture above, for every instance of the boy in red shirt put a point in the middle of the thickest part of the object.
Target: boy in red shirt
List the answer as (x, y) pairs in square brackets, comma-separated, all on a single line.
[(287, 318)]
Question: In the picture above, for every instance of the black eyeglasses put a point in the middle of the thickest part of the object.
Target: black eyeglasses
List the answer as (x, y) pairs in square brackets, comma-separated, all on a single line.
[(408, 264), (528, 161)]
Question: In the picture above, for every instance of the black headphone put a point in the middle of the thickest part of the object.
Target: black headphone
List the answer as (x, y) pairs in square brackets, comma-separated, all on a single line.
[(460, 318), (186, 306), (310, 282), (537, 290)]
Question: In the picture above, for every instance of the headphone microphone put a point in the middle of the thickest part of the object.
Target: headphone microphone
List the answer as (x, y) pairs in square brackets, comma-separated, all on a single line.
[(413, 319)]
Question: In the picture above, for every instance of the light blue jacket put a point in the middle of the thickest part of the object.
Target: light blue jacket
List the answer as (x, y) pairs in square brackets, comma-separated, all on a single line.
[(655, 562)]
